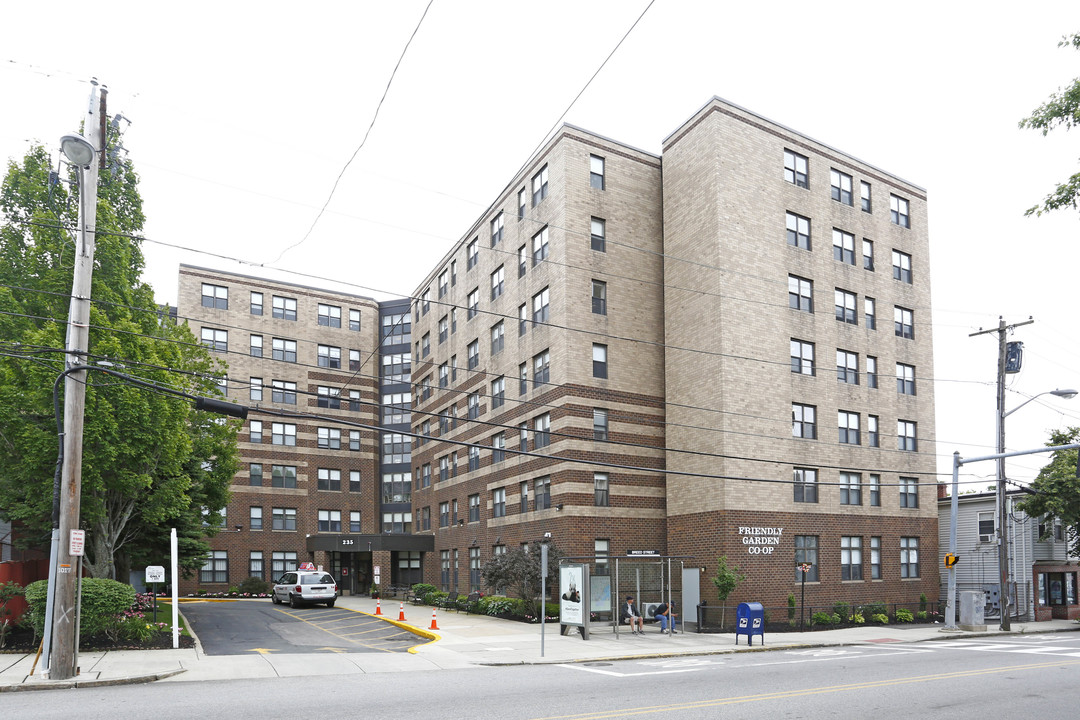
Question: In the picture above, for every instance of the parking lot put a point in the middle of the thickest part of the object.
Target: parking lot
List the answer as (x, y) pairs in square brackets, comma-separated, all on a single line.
[(244, 627)]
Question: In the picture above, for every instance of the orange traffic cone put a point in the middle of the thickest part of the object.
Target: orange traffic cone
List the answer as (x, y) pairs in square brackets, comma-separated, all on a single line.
[(434, 626), (378, 607), (401, 613)]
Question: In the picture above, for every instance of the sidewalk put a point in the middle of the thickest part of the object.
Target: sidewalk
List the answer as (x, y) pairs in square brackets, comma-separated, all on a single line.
[(461, 641)]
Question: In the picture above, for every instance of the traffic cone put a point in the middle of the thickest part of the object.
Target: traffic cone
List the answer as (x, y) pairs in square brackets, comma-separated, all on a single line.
[(378, 607), (434, 626), (401, 613)]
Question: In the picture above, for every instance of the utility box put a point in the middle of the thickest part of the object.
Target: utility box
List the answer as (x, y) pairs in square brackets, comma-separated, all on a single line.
[(750, 621), (971, 611)]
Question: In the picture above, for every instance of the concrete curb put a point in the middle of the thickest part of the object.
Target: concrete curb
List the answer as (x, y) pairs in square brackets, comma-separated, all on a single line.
[(26, 686)]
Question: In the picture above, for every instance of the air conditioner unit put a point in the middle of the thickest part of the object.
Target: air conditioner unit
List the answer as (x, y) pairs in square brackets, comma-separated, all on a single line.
[(986, 538)]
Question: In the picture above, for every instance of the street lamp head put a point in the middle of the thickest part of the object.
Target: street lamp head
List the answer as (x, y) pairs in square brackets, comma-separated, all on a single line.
[(77, 150), (1067, 394)]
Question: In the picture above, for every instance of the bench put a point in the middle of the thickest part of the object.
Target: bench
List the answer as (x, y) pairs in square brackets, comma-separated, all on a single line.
[(472, 602)]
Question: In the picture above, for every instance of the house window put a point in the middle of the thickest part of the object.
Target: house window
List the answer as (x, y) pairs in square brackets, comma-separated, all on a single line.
[(905, 435), (256, 346), (283, 476), (542, 431), (474, 405), (800, 293), (869, 313), (864, 194), (850, 558), (540, 246), (805, 484), (215, 340), (283, 518), (867, 255), (354, 320), (539, 186), (474, 354), (216, 567), (873, 439), (847, 367), (497, 338), (330, 357), (255, 475), (905, 379), (329, 479), (498, 503), (541, 306), (283, 433), (601, 497), (329, 315), (806, 552), (472, 254), (498, 448), (472, 304), (596, 172), (283, 391), (328, 397), (523, 197), (284, 350), (541, 368), (255, 388), (909, 557), (498, 282), (255, 431), (843, 246), (600, 424), (875, 491), (354, 520), (845, 307), (523, 260), (284, 308), (444, 283), (901, 266), (542, 493), (841, 186), (798, 231), (802, 357), (898, 211), (329, 521), (474, 508), (598, 235), (848, 423), (498, 392), (497, 230), (796, 169), (599, 361), (909, 492), (803, 421), (329, 438), (256, 304), (599, 297), (875, 558), (871, 372), (850, 488), (987, 526), (215, 296)]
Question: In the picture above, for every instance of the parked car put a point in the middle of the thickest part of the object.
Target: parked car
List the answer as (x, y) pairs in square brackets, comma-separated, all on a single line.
[(305, 587)]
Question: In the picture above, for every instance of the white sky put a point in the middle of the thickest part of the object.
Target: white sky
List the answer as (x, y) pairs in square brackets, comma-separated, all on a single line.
[(244, 113)]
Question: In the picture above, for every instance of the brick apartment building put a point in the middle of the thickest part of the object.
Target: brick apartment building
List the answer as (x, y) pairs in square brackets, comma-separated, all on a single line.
[(602, 357)]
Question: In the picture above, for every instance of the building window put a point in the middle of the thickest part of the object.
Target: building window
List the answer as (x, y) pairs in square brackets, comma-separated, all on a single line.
[(215, 296), (255, 475), (542, 493), (216, 567), (498, 392), (806, 552), (542, 431), (255, 388), (872, 436), (475, 575), (848, 423), (498, 448), (798, 231), (283, 434), (329, 357), (870, 313), (329, 521), (871, 372), (215, 340), (541, 303), (472, 304), (803, 421), (523, 436), (523, 379), (864, 193), (395, 449), (599, 361), (256, 304), (354, 439), (901, 266), (841, 186), (284, 308), (474, 458), (256, 346), (987, 527), (905, 436), (847, 367), (523, 197), (540, 247), (283, 476), (255, 563), (282, 562), (498, 282), (875, 558), (599, 297), (524, 492), (444, 283), (328, 397), (898, 211), (843, 246), (444, 375), (355, 363), (845, 307), (909, 492), (875, 490), (329, 438), (596, 172), (329, 315), (903, 322), (541, 368), (474, 508), (255, 431), (425, 345), (850, 558), (284, 350), (905, 379), (867, 255), (598, 235), (425, 301), (444, 514), (498, 503), (601, 498), (796, 169), (600, 424), (329, 479), (354, 320), (283, 518), (474, 405), (354, 520), (909, 557), (497, 338), (282, 391), (802, 357), (474, 354), (472, 254), (539, 186), (497, 230), (354, 481), (850, 488), (800, 293), (397, 523), (396, 408), (601, 550), (805, 484)]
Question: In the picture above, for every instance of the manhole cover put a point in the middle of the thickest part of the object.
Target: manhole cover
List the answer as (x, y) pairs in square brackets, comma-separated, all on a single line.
[(595, 664)]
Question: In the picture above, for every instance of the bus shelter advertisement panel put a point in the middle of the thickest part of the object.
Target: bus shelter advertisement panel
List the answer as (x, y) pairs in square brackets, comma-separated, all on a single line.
[(572, 599)]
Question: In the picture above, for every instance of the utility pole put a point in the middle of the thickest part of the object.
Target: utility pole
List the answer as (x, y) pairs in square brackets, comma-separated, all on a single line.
[(1004, 595), (64, 621)]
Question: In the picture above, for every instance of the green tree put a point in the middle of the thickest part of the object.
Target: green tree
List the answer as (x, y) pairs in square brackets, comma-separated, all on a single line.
[(1061, 110), (725, 580), (519, 570), (150, 461), (1057, 488)]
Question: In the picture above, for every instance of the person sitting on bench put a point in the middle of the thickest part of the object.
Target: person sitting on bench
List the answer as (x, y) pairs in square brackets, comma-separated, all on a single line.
[(629, 614), (665, 615)]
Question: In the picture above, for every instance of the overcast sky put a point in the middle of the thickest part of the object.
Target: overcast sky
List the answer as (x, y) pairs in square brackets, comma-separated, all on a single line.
[(243, 114)]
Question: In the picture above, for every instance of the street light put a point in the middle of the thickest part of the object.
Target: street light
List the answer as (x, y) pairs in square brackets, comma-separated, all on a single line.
[(77, 150)]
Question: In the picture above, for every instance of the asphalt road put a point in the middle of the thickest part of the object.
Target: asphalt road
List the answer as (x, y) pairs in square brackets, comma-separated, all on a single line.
[(258, 626)]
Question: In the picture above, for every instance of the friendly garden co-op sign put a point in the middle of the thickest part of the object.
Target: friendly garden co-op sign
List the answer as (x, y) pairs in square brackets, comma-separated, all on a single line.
[(760, 540)]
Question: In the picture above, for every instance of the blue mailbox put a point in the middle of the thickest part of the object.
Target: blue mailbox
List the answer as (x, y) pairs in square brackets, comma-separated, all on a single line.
[(750, 621)]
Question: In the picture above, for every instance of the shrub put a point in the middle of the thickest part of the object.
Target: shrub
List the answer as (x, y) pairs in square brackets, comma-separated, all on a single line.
[(842, 610), (880, 618), (102, 601), (254, 586), (858, 618), (791, 608), (8, 591), (821, 618), (922, 602), (494, 605), (421, 590), (874, 608), (922, 616), (904, 615)]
